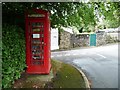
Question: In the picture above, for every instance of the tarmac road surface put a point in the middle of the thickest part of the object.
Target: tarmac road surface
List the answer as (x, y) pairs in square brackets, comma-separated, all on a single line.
[(100, 64)]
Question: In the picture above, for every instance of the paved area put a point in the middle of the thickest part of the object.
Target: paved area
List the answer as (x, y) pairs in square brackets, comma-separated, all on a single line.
[(100, 64)]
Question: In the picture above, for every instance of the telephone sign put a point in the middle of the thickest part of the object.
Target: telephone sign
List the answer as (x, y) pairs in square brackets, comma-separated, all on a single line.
[(37, 41)]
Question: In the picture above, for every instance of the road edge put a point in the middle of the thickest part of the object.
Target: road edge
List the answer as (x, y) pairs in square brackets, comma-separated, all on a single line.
[(87, 84)]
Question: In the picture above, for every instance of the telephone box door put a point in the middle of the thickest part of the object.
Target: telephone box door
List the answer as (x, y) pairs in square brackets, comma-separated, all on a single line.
[(37, 43), (38, 46)]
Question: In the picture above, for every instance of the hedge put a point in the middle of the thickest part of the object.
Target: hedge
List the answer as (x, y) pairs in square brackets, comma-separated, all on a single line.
[(13, 54)]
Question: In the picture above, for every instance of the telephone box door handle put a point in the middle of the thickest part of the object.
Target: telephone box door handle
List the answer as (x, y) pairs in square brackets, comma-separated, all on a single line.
[(44, 44)]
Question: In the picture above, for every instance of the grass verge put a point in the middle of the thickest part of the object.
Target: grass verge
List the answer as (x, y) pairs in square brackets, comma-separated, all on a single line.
[(65, 76)]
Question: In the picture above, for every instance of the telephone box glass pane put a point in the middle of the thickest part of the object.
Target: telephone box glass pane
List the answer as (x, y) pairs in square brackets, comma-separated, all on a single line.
[(36, 57), (37, 44), (37, 24), (36, 35), (36, 52), (36, 63), (36, 29), (37, 49)]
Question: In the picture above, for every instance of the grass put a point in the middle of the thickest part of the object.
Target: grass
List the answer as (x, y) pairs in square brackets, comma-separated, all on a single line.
[(61, 76), (66, 76)]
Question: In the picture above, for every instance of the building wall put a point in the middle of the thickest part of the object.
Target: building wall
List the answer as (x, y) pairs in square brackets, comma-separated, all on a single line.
[(54, 39)]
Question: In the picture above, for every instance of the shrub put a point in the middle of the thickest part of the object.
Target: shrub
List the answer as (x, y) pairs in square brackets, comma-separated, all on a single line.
[(13, 54)]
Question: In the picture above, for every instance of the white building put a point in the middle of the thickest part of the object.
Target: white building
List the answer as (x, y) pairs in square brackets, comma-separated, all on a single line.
[(54, 39)]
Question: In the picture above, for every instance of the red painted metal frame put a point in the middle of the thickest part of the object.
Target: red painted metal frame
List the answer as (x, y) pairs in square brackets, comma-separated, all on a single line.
[(45, 68)]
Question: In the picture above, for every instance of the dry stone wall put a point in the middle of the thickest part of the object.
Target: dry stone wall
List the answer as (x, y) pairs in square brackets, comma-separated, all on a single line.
[(80, 40), (65, 40), (105, 38), (68, 40), (100, 39)]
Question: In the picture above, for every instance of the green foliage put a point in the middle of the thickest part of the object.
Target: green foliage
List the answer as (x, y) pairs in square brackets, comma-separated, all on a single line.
[(66, 14), (61, 13), (13, 54), (110, 12)]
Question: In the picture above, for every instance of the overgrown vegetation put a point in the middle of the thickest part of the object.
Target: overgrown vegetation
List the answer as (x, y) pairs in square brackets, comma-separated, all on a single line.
[(13, 54)]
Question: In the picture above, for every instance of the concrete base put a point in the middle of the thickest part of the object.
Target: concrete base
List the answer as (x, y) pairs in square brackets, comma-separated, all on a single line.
[(33, 80), (36, 77)]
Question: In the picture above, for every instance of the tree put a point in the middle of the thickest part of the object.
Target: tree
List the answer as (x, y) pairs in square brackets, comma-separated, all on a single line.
[(59, 11), (65, 14), (62, 14), (109, 13)]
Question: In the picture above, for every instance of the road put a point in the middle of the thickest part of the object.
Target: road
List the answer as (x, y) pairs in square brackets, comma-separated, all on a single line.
[(100, 64)]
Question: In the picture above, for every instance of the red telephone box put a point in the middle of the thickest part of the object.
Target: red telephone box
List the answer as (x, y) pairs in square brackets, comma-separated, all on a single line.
[(37, 41)]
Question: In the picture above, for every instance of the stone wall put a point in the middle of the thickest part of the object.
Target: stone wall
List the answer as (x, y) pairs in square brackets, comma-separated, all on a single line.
[(115, 36), (105, 38), (80, 40), (100, 39), (68, 41), (65, 40)]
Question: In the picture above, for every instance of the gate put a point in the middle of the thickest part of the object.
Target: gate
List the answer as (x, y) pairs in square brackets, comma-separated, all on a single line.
[(92, 39)]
